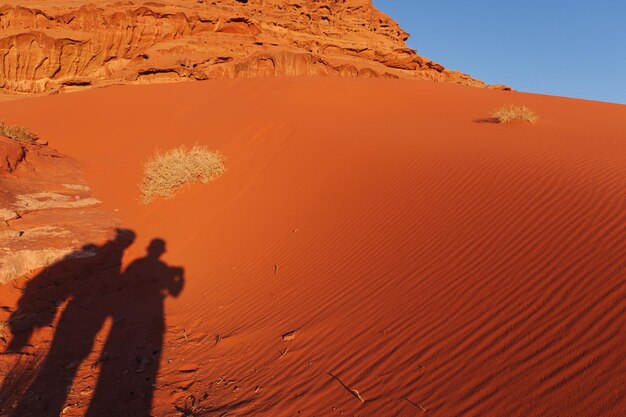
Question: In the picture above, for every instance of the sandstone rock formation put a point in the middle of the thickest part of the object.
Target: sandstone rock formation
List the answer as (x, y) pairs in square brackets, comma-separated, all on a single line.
[(46, 210), (45, 48), (12, 153)]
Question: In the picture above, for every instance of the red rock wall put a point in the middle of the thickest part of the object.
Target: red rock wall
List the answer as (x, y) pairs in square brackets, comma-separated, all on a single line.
[(46, 49)]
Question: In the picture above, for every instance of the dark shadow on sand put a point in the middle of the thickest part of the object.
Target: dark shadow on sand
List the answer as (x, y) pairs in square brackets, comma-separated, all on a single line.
[(94, 289), (487, 120)]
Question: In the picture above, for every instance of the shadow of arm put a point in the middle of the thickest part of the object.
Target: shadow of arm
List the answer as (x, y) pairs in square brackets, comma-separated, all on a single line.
[(177, 282)]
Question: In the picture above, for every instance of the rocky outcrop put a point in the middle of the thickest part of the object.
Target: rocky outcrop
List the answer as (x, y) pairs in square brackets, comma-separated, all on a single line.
[(46, 49), (46, 210), (12, 153)]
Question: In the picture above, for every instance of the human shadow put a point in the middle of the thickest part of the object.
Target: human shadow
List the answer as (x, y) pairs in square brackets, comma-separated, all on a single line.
[(132, 352), (89, 288)]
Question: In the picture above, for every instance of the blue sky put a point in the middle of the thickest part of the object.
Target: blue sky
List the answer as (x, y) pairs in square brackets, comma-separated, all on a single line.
[(574, 48)]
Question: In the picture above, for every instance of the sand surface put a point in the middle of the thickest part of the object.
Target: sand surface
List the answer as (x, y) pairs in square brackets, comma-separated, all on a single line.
[(430, 262)]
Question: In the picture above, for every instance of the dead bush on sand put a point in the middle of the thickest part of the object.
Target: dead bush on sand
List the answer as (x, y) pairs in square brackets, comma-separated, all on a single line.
[(166, 172), (17, 133), (512, 112)]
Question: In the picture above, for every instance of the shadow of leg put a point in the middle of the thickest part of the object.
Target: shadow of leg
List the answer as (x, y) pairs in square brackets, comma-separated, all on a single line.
[(72, 343)]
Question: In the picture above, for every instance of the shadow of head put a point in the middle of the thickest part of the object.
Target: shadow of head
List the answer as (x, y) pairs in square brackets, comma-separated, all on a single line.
[(124, 238), (156, 248)]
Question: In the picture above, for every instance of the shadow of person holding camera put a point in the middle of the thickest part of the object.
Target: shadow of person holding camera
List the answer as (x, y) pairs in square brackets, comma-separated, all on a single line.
[(131, 355)]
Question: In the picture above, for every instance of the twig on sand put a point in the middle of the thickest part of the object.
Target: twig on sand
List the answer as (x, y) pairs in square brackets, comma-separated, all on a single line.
[(289, 335), (184, 336), (350, 390), (415, 404)]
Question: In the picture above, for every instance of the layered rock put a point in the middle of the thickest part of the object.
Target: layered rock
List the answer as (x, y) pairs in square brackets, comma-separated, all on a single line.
[(46, 210), (12, 153), (46, 49)]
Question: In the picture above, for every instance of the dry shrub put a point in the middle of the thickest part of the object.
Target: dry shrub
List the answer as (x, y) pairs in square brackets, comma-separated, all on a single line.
[(513, 112), (17, 133), (166, 172)]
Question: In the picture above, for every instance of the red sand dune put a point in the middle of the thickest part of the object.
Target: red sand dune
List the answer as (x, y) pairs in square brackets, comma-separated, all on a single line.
[(434, 262)]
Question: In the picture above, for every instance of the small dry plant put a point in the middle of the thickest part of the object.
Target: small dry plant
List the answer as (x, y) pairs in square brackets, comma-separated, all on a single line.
[(18, 133), (512, 112), (166, 172)]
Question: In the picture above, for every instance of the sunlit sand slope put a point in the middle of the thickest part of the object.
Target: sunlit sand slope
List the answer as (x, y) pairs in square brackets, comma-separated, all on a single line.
[(430, 261)]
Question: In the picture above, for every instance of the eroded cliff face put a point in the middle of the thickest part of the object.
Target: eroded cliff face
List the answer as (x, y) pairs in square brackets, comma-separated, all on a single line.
[(46, 48)]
